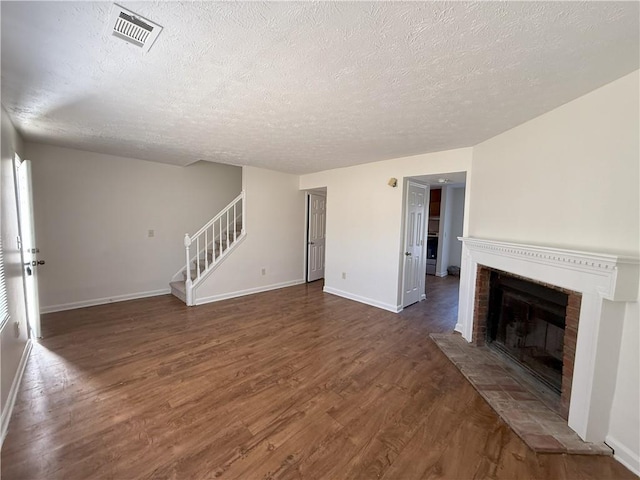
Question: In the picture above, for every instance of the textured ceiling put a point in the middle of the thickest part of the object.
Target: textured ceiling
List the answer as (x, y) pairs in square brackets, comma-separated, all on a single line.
[(302, 87)]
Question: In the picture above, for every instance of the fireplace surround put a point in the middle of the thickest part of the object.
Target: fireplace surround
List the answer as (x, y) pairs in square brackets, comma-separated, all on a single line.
[(604, 283)]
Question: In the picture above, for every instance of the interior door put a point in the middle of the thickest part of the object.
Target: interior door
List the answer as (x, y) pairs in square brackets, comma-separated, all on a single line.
[(316, 237), (416, 207), (29, 249)]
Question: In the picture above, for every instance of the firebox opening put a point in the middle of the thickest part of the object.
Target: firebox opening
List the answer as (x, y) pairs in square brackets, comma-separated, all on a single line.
[(526, 321)]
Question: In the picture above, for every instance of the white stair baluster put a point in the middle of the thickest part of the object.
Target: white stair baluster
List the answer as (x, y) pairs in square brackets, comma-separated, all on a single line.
[(198, 256), (244, 212), (215, 246), (206, 249), (227, 228), (235, 223)]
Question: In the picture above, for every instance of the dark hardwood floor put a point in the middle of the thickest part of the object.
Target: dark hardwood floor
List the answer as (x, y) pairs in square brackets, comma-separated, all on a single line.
[(292, 383)]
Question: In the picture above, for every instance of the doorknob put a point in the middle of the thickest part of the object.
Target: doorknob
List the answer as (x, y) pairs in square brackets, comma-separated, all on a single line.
[(407, 254), (40, 262), (312, 243)]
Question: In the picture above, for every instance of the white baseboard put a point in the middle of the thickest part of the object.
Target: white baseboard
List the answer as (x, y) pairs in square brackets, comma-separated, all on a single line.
[(248, 291), (365, 300), (458, 328), (103, 301), (442, 274), (13, 392), (624, 455)]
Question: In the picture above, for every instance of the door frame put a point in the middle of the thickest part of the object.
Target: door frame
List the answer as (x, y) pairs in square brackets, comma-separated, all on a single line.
[(405, 197)]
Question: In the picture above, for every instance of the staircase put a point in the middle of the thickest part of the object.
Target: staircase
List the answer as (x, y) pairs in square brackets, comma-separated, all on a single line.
[(206, 249)]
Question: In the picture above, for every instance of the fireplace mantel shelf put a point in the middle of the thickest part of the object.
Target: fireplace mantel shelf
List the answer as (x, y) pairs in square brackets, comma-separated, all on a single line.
[(619, 267)]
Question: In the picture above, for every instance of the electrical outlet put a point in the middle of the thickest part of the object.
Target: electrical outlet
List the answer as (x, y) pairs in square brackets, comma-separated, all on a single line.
[(152, 233), (264, 271), (344, 275)]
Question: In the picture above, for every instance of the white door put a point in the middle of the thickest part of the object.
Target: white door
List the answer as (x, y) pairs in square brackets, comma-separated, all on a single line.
[(29, 249), (416, 207), (316, 237)]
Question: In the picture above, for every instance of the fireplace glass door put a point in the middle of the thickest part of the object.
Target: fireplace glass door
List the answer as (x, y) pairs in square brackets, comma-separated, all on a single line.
[(526, 321)]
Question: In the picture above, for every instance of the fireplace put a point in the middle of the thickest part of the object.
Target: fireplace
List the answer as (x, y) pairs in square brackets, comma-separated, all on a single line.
[(533, 323), (526, 322), (598, 287)]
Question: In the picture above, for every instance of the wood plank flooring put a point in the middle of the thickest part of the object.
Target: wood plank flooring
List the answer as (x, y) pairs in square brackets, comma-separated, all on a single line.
[(287, 384)]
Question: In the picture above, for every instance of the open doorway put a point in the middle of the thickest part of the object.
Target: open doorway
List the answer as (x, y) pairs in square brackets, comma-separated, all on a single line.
[(316, 234), (444, 224)]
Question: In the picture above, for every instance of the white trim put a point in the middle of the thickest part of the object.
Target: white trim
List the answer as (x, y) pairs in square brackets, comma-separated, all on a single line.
[(103, 301), (442, 274), (368, 301), (13, 392), (597, 277), (624, 455), (248, 291)]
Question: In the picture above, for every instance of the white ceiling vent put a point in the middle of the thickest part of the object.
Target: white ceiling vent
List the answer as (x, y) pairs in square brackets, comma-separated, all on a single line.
[(133, 28)]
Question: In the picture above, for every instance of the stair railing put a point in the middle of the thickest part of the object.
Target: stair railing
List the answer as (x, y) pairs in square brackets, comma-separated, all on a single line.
[(218, 235)]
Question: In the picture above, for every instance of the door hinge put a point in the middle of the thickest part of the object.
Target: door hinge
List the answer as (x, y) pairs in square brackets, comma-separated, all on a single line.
[(19, 242)]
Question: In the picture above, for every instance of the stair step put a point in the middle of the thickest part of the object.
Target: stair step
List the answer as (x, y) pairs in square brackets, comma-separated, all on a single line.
[(178, 289), (223, 239)]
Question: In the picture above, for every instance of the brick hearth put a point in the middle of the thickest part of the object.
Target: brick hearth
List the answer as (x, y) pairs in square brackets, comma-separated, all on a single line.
[(517, 401)]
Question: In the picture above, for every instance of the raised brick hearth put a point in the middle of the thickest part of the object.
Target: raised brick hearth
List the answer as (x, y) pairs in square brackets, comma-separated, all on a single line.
[(518, 402)]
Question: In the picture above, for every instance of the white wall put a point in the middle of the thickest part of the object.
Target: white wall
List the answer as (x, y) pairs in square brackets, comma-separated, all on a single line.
[(275, 226), (571, 178), (93, 213), (364, 223), (457, 220), (12, 346), (568, 178)]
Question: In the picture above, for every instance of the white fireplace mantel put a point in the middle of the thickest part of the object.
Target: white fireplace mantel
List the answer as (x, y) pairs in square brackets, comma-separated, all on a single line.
[(606, 282)]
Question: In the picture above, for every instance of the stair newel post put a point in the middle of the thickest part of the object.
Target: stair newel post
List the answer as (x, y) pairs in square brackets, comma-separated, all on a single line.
[(188, 283)]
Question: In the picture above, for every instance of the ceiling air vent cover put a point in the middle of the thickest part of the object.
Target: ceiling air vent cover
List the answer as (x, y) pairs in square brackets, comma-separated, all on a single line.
[(133, 28)]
